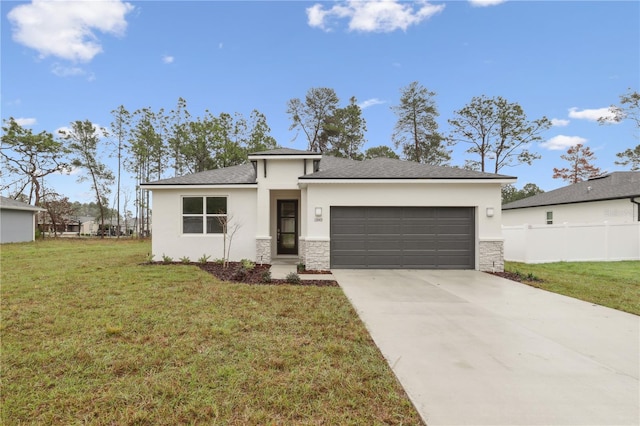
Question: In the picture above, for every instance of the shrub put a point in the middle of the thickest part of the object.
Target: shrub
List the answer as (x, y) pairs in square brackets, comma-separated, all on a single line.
[(248, 264), (301, 267), (149, 258), (266, 277), (204, 258), (293, 278), (185, 259), (240, 274), (166, 259)]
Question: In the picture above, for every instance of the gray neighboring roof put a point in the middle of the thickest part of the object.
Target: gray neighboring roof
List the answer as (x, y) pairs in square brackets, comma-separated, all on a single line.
[(389, 168), (11, 204), (612, 186), (242, 174), (331, 168)]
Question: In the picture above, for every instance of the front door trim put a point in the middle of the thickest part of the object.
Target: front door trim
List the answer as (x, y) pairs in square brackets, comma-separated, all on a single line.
[(287, 218)]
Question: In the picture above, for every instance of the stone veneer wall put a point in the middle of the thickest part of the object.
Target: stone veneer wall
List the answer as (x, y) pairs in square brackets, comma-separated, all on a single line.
[(302, 250), (263, 250), (491, 255), (317, 255)]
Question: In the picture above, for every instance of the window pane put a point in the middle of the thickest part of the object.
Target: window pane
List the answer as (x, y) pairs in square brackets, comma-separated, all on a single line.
[(192, 225), (214, 224), (192, 205), (288, 225), (288, 241), (216, 205), (288, 209)]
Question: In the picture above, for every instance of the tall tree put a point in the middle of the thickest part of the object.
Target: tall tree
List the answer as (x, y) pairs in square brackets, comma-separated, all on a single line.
[(629, 109), (580, 160), (311, 115), (345, 131), (497, 131), (416, 130), (511, 194), (83, 141), (120, 128), (30, 157), (177, 138), (629, 157), (259, 134), (380, 151)]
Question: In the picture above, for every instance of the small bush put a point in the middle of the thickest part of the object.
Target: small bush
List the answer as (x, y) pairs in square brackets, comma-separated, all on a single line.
[(301, 267), (266, 277), (219, 261), (204, 258), (293, 278), (240, 274), (248, 264), (149, 258), (166, 259), (185, 259)]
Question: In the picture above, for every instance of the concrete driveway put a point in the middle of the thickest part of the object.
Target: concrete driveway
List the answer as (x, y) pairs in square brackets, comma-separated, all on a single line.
[(471, 348)]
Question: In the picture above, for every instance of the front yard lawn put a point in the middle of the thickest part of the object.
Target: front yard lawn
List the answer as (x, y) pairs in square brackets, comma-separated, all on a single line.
[(612, 284), (91, 335)]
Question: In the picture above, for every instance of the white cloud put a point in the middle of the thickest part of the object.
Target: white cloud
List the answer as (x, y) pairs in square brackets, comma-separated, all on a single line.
[(373, 15), (370, 102), (593, 114), (485, 3), (65, 71), (562, 142), (220, 45), (25, 121), (65, 29), (559, 122), (168, 59)]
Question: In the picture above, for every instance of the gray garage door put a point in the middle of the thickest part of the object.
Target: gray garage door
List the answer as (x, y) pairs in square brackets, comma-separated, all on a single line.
[(402, 237)]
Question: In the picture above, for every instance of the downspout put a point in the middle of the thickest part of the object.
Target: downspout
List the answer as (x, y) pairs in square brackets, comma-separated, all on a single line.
[(633, 200)]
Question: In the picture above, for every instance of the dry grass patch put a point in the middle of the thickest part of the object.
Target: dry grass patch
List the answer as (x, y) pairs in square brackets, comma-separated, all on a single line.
[(90, 335)]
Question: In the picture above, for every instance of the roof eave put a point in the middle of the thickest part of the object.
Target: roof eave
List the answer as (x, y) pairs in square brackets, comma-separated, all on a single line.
[(152, 186), (624, 197), (307, 180)]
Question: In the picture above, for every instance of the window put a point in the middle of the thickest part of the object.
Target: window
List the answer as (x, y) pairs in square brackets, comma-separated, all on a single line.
[(203, 215), (549, 218)]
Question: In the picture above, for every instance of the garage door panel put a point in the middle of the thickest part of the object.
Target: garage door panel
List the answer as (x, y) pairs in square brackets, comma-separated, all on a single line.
[(402, 237)]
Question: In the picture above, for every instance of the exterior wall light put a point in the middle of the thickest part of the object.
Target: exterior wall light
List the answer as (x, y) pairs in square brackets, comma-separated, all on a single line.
[(489, 211), (318, 211)]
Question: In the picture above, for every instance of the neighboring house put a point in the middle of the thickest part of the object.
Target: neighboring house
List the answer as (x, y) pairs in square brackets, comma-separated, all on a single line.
[(597, 219), (17, 221), (329, 212)]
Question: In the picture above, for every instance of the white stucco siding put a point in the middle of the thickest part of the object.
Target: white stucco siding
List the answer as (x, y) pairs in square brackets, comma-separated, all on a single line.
[(281, 173), (424, 194), (611, 211), (168, 239)]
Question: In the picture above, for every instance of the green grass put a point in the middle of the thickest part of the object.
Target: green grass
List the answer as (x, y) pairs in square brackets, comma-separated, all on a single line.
[(612, 284), (91, 335)]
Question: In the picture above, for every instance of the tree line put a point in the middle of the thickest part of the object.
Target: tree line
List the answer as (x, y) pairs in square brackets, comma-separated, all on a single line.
[(153, 144)]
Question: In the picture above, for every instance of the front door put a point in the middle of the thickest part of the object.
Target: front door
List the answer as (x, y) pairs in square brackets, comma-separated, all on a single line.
[(287, 226)]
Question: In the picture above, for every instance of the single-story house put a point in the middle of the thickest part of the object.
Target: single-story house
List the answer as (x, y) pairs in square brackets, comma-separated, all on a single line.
[(593, 220), (614, 198), (17, 221), (329, 212)]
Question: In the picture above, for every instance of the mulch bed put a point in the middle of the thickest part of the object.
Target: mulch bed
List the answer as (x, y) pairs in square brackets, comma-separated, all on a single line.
[(234, 272), (513, 276)]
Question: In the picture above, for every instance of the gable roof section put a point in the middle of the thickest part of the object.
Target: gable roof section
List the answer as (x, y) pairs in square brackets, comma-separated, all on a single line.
[(330, 168), (242, 174), (11, 204), (608, 187), (388, 168)]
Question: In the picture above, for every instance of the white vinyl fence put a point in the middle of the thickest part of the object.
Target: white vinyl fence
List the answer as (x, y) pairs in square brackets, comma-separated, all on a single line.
[(572, 242)]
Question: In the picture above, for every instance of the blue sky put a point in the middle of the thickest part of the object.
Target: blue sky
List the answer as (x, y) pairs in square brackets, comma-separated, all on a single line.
[(66, 61)]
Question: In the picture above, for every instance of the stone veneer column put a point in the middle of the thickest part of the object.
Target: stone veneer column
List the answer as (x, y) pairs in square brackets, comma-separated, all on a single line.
[(302, 250), (491, 255), (263, 250), (317, 255)]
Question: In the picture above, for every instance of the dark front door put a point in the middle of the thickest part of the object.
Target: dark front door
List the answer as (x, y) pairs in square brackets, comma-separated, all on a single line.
[(287, 226)]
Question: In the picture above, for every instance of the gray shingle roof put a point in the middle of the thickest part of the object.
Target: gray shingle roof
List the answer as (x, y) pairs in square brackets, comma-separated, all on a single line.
[(608, 187), (388, 168), (331, 168), (11, 204), (234, 175), (284, 151)]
